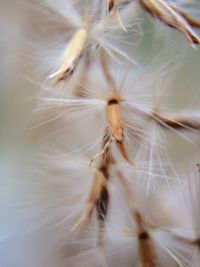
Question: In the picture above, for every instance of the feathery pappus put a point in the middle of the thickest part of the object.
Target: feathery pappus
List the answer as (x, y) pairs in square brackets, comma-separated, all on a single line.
[(92, 27), (109, 183)]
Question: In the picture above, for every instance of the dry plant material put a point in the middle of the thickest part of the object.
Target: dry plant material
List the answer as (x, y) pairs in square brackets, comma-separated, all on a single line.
[(147, 253), (114, 117), (99, 196), (114, 114), (116, 128), (103, 200), (193, 22), (174, 17), (98, 186), (115, 125), (73, 52), (112, 6), (179, 122), (98, 201), (112, 10)]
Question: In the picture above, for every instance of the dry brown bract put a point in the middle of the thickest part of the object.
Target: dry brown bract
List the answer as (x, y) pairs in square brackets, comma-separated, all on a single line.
[(99, 195), (176, 121), (174, 17), (98, 187)]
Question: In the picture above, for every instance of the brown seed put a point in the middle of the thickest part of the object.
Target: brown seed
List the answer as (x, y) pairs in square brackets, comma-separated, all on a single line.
[(115, 120), (72, 54)]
